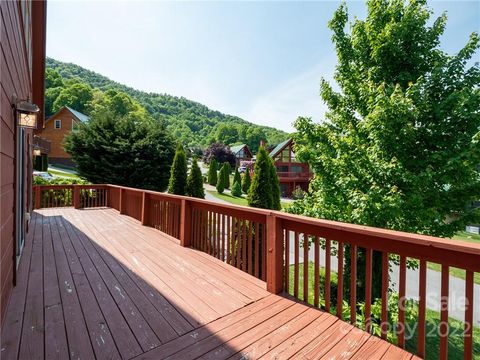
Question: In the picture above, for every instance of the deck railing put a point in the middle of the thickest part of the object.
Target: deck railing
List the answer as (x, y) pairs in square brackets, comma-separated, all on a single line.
[(289, 252)]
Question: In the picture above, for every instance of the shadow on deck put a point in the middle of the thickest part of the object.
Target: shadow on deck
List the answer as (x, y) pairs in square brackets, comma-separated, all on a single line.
[(96, 284)]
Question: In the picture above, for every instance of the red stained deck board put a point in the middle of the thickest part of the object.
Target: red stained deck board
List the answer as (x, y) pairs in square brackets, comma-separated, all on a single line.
[(97, 284)]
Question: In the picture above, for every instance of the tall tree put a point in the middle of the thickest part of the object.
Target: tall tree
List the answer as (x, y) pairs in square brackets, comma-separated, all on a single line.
[(226, 175), (221, 180), (194, 186), (237, 177), (129, 150), (246, 181), (212, 172), (400, 145), (262, 190), (178, 173)]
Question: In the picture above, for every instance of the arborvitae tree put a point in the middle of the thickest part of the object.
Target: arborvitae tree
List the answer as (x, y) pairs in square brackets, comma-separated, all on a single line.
[(226, 174), (195, 181), (212, 172), (260, 194), (178, 172), (275, 186), (236, 189), (246, 181), (237, 177), (221, 180)]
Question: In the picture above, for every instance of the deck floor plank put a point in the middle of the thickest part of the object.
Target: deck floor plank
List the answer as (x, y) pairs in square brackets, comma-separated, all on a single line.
[(94, 284)]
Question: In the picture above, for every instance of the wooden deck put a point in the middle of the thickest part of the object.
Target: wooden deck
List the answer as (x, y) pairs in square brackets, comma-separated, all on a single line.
[(96, 284)]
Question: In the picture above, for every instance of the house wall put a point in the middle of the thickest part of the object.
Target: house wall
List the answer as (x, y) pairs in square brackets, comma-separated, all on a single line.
[(291, 173), (16, 69), (56, 136)]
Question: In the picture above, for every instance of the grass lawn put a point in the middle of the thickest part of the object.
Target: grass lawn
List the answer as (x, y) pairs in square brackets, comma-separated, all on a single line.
[(455, 340), (238, 200), (459, 273), (63, 174), (463, 235)]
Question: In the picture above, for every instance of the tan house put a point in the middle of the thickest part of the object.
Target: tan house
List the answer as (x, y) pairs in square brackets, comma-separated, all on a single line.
[(57, 126)]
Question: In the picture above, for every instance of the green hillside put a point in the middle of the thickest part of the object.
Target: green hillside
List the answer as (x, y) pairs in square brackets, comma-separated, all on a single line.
[(191, 122)]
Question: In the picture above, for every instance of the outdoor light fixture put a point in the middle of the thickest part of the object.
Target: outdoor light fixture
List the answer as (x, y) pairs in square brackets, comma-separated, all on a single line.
[(26, 113), (37, 152)]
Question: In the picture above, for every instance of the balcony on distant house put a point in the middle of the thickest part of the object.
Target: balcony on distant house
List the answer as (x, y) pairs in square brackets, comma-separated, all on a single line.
[(114, 272)]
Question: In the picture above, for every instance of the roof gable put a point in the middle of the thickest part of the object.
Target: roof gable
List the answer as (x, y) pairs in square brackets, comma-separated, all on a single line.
[(277, 149), (236, 148), (77, 114)]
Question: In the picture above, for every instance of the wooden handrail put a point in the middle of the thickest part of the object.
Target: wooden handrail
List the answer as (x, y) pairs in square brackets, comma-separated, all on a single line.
[(260, 242)]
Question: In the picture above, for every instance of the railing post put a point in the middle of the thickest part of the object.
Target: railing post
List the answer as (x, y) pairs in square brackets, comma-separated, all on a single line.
[(76, 197), (121, 205), (185, 223), (144, 215), (38, 197), (274, 254)]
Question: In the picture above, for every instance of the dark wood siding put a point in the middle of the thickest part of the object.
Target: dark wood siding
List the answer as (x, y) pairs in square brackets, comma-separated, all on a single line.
[(15, 81)]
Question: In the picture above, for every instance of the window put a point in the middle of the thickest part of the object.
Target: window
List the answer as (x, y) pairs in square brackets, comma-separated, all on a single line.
[(58, 124)]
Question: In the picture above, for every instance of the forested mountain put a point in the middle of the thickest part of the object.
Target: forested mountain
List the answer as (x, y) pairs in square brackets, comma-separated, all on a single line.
[(194, 124)]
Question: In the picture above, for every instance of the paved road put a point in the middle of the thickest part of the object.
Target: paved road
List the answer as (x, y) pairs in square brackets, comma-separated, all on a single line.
[(456, 286)]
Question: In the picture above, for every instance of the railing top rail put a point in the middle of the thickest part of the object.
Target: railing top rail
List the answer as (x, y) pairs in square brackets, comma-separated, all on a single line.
[(456, 253), (199, 201)]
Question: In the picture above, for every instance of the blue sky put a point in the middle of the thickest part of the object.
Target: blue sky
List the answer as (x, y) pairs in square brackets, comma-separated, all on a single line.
[(259, 60)]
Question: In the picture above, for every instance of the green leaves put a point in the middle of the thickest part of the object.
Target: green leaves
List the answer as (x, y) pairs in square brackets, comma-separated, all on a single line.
[(194, 186), (264, 191), (397, 148), (178, 173), (129, 150)]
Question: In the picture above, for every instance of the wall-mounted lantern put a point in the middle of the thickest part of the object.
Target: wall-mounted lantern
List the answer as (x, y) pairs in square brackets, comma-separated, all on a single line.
[(27, 114), (37, 152)]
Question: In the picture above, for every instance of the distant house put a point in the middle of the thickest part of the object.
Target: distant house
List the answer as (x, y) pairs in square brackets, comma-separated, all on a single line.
[(57, 126), (291, 172), (242, 152)]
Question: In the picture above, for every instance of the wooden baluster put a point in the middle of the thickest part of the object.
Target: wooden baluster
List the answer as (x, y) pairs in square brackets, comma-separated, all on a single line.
[(444, 328), (305, 267), (250, 248), (353, 284), (401, 301), (295, 266), (264, 251), (238, 229), (384, 319), (368, 289), (257, 250), (327, 273), (468, 333), (422, 292), (316, 272), (219, 237), (229, 243), (244, 246), (185, 223), (340, 252), (223, 236), (287, 261)]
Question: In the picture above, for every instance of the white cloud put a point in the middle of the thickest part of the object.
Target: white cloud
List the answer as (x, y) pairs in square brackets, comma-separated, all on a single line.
[(298, 96)]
